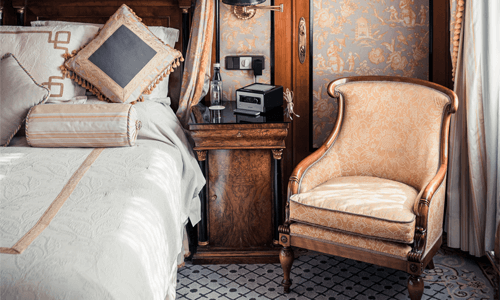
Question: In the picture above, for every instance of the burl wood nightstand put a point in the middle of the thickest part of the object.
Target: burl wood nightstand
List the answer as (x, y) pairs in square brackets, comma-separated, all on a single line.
[(242, 204)]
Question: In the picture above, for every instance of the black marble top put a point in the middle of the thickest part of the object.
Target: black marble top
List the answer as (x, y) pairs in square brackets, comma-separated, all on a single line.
[(204, 115)]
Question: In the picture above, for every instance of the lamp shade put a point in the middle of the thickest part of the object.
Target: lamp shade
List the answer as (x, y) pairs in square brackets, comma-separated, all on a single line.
[(243, 2)]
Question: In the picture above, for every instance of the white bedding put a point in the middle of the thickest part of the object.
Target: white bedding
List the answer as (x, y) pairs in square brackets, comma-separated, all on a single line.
[(119, 234)]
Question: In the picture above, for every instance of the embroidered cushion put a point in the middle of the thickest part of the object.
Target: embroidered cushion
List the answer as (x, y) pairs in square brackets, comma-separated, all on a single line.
[(123, 61), (18, 93), (82, 125), (363, 205), (168, 35), (41, 50)]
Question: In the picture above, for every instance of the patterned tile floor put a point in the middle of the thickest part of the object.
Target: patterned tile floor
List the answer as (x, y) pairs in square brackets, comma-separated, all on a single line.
[(316, 276)]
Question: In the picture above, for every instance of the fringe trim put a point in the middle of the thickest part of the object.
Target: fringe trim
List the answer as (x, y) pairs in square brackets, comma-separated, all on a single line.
[(167, 71), (68, 73), (459, 14)]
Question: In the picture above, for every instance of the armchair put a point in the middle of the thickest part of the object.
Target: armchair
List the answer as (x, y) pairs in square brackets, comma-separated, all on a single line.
[(375, 190)]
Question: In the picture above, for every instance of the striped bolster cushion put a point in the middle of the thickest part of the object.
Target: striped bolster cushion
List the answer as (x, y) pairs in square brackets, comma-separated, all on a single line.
[(82, 125)]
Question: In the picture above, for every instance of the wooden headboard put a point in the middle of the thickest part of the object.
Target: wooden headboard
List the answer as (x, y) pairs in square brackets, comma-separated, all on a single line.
[(168, 13)]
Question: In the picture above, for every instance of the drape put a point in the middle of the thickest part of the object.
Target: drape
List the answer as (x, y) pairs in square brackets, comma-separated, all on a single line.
[(473, 190), (197, 61)]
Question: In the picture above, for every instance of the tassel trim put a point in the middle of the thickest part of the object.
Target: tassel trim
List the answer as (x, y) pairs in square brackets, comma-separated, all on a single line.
[(168, 70), (68, 73)]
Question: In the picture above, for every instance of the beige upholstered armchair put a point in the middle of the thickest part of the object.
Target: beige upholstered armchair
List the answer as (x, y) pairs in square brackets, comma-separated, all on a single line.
[(375, 190)]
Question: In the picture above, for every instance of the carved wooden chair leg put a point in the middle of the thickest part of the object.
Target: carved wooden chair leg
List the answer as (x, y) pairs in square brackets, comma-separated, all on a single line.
[(286, 259), (430, 265), (415, 287)]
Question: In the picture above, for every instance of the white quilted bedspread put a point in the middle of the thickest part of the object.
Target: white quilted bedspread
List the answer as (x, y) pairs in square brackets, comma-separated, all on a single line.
[(119, 234)]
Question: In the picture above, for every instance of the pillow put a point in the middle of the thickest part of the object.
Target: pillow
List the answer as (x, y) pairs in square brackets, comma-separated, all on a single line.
[(168, 35), (42, 49), (123, 61), (82, 125), (18, 93)]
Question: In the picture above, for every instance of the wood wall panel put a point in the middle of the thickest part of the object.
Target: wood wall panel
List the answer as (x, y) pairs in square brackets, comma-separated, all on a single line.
[(240, 199)]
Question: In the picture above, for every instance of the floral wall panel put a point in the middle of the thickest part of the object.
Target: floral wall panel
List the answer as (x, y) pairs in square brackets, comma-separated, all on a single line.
[(364, 37), (241, 37)]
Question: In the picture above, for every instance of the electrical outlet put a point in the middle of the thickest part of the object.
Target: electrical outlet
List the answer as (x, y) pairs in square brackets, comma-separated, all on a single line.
[(245, 63), (242, 62)]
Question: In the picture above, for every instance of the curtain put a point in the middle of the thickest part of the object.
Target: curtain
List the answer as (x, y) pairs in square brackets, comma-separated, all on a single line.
[(473, 189), (197, 61)]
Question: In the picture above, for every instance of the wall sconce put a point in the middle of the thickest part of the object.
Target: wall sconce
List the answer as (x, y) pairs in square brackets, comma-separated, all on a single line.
[(245, 9)]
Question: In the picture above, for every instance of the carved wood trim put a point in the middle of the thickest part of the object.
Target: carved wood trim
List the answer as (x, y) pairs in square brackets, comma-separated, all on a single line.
[(453, 97), (201, 155), (277, 153), (421, 225), (351, 253)]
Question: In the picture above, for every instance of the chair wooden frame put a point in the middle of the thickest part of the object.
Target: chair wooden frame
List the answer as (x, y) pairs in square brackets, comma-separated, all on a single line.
[(415, 261)]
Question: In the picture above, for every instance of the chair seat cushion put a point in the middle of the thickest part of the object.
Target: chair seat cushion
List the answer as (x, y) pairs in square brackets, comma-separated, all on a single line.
[(362, 205)]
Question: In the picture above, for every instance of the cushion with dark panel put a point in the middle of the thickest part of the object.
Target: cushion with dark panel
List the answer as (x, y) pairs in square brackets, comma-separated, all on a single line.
[(124, 60)]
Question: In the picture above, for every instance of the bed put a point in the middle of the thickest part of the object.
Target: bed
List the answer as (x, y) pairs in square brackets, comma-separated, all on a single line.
[(94, 222)]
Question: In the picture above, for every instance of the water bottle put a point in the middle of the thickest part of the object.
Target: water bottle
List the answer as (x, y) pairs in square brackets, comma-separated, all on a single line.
[(216, 87)]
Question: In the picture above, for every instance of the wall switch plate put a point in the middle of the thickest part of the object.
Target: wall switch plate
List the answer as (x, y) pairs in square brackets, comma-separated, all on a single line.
[(245, 63), (242, 62)]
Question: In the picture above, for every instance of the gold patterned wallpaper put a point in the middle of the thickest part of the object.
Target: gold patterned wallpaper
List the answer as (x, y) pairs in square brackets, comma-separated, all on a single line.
[(350, 37), (365, 37), (241, 37)]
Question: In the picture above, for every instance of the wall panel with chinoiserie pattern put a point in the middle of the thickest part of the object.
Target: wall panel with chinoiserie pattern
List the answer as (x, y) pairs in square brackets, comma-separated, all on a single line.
[(364, 37)]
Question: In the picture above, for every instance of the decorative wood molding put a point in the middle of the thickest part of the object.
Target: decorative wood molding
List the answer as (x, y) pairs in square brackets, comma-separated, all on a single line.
[(277, 153), (201, 155)]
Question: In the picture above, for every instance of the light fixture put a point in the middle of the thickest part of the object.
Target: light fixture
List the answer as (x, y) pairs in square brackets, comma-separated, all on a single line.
[(245, 9)]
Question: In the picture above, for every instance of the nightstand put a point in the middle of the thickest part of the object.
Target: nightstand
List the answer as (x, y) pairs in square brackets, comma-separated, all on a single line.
[(242, 204)]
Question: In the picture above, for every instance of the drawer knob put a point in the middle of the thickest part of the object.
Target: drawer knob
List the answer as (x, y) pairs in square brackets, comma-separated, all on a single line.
[(239, 134), (213, 198)]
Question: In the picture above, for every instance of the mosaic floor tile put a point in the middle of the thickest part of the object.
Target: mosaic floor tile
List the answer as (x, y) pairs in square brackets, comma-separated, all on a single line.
[(332, 278)]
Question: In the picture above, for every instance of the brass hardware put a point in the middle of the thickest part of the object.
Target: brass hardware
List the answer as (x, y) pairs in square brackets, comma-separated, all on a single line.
[(213, 198), (302, 40), (247, 12), (239, 134)]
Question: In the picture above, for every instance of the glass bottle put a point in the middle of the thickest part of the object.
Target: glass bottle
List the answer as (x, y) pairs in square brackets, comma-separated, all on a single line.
[(216, 87)]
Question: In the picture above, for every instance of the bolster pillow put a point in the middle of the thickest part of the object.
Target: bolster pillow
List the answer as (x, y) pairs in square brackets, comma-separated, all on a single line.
[(82, 125)]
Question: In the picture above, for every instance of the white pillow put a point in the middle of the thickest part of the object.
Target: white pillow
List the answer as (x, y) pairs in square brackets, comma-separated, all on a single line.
[(168, 35), (18, 93), (42, 49)]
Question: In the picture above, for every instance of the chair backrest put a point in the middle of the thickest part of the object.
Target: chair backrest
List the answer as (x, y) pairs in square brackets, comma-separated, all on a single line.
[(390, 129)]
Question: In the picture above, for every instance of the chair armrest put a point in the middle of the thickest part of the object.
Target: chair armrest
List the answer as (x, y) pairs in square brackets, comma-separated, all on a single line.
[(302, 168), (425, 199)]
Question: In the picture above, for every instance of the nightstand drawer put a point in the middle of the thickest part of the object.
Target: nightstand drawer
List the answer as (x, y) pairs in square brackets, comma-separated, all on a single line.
[(234, 138)]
